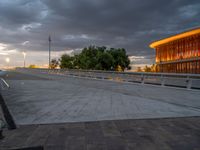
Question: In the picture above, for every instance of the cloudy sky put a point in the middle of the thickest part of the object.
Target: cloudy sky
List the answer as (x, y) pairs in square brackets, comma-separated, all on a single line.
[(74, 24)]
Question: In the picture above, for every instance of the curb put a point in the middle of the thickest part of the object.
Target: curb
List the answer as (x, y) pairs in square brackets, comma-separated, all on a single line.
[(8, 117)]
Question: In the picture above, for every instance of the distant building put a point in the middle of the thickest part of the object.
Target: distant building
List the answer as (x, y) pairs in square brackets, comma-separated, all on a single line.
[(179, 53)]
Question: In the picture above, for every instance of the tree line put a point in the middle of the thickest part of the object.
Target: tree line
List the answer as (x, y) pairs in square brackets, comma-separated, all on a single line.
[(95, 58)]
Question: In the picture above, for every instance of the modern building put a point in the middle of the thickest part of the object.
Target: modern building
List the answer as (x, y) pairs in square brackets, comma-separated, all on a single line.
[(179, 53)]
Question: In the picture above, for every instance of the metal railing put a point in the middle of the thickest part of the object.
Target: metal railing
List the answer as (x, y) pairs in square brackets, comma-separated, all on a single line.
[(3, 84), (189, 81)]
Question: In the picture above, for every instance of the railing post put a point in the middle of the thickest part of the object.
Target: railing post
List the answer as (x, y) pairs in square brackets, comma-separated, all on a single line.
[(162, 80), (142, 78), (189, 83)]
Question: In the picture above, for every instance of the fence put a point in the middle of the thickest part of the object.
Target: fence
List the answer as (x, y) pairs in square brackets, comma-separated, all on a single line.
[(189, 81)]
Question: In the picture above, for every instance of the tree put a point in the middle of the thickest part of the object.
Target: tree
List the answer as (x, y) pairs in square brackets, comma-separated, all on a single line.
[(67, 61), (120, 58), (153, 68), (89, 57), (98, 58), (118, 68), (54, 64), (147, 69), (139, 69), (106, 61)]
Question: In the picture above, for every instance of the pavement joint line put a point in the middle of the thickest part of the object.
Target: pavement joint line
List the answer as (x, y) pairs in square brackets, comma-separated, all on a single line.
[(102, 120), (98, 121)]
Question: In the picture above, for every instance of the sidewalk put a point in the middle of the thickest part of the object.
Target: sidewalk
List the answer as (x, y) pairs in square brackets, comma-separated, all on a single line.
[(150, 134)]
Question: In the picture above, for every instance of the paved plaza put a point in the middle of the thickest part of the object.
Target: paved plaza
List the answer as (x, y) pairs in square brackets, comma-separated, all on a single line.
[(42, 99), (150, 134), (62, 112)]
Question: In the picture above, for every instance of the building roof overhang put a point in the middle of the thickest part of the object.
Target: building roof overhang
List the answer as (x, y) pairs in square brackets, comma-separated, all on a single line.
[(175, 37)]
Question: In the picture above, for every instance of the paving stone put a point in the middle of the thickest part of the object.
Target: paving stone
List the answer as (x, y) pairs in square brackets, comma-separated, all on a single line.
[(110, 129), (64, 99), (76, 118), (136, 134), (96, 147)]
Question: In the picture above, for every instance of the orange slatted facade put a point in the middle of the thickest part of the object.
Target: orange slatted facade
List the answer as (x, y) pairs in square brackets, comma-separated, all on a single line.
[(179, 53)]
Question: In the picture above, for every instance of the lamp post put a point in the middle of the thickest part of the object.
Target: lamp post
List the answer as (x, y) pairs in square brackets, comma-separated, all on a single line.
[(8, 61), (24, 54), (49, 51)]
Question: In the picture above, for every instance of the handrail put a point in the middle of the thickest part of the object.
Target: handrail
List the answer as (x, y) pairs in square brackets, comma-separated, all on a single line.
[(189, 81), (116, 72), (3, 82)]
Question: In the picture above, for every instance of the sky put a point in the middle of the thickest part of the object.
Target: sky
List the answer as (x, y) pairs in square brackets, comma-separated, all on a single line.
[(74, 24)]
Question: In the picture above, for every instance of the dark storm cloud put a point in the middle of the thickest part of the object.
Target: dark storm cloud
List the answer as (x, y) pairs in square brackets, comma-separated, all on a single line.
[(74, 24), (18, 12)]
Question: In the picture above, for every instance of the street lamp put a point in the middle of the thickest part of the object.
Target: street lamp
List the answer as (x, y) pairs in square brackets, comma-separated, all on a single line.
[(7, 61), (24, 54), (49, 51)]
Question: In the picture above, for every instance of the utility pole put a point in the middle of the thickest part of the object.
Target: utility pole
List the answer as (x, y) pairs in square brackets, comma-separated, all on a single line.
[(24, 54), (49, 51)]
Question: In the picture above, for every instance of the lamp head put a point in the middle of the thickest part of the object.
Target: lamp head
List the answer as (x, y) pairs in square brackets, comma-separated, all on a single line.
[(7, 60)]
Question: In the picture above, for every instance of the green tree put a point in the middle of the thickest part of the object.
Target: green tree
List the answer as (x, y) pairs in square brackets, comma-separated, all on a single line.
[(106, 61), (98, 58), (54, 64), (120, 58), (67, 61), (89, 57)]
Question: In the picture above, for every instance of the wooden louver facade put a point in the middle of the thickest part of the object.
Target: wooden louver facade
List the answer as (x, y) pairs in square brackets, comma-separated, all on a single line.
[(179, 53)]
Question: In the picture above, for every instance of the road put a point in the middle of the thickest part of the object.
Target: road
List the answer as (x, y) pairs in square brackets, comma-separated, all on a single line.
[(41, 99)]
